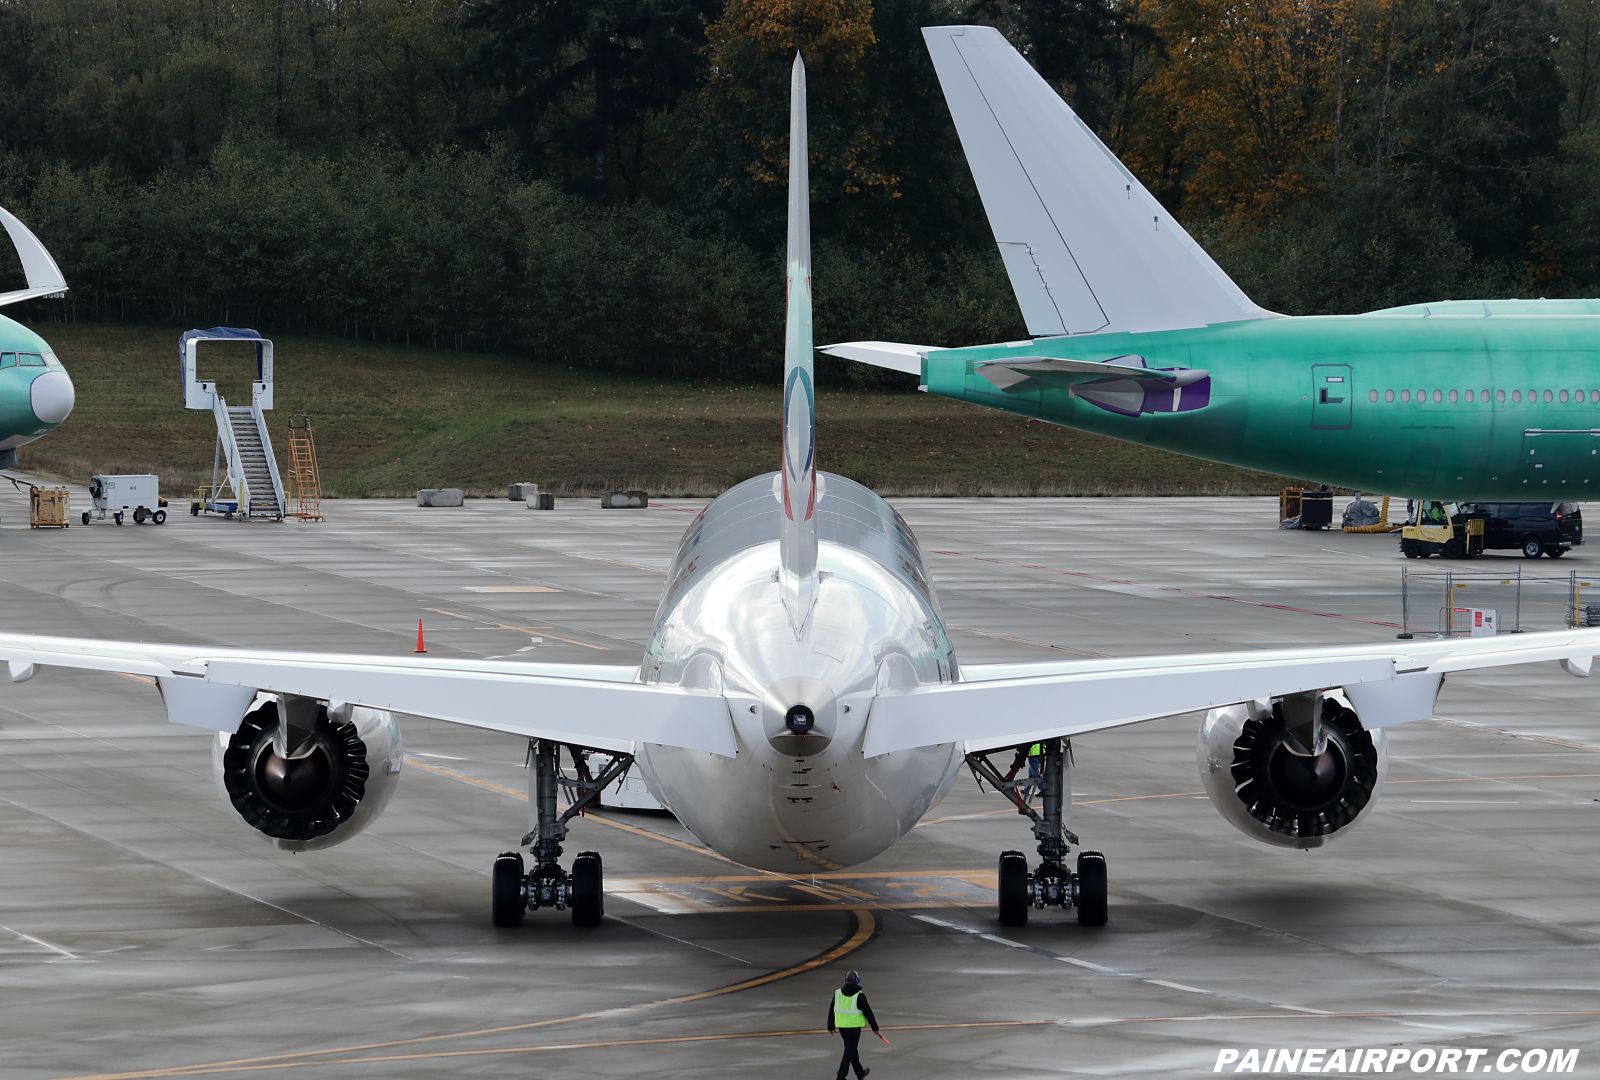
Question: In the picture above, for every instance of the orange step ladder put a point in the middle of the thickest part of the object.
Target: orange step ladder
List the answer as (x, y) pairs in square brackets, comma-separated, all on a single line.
[(305, 483)]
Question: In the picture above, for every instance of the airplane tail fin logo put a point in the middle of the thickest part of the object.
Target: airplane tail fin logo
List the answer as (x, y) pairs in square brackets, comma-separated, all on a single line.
[(798, 481), (1087, 248)]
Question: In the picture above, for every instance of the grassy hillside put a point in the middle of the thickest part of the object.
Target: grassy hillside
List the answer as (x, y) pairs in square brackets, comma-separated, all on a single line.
[(390, 420)]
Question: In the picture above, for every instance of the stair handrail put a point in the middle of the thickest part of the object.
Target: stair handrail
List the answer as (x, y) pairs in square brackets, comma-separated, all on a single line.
[(236, 477), (266, 451)]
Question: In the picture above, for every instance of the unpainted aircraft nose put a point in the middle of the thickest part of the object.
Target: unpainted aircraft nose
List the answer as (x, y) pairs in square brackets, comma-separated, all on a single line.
[(52, 397)]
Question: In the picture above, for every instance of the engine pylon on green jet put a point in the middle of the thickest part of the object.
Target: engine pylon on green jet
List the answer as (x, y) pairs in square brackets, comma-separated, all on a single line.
[(36, 394), (1139, 335)]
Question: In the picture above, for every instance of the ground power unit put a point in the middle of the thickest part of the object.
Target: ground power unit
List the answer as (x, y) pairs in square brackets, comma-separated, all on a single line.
[(140, 493)]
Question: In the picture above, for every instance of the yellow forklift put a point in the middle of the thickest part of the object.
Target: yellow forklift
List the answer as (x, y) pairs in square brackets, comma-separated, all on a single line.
[(1454, 530)]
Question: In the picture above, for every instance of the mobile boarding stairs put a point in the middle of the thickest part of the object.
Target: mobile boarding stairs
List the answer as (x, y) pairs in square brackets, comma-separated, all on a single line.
[(252, 488)]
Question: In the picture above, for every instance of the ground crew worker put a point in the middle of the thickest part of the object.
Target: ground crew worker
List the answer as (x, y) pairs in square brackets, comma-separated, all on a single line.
[(1035, 766), (849, 1012)]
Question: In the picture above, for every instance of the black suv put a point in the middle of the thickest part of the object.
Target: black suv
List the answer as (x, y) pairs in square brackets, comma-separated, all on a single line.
[(1537, 528)]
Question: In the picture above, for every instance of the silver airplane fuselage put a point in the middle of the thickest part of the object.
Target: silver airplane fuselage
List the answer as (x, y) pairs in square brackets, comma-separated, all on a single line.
[(791, 802)]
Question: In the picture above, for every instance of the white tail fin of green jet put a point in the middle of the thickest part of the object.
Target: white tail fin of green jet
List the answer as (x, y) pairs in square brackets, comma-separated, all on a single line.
[(798, 489), (1087, 248), (44, 276)]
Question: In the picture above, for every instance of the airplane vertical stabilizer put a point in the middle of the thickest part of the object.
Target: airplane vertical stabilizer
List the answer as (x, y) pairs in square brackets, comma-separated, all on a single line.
[(798, 491), (44, 276), (1087, 248)]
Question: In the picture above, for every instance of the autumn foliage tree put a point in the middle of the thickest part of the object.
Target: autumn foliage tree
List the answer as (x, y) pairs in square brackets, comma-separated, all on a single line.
[(1251, 98), (555, 174), (742, 117)]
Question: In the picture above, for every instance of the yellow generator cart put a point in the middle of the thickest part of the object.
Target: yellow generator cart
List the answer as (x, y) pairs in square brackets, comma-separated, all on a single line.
[(1449, 529)]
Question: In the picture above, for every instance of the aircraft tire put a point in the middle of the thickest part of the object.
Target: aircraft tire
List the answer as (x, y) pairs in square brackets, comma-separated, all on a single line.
[(507, 903), (587, 896), (1013, 889), (1532, 548), (1091, 888)]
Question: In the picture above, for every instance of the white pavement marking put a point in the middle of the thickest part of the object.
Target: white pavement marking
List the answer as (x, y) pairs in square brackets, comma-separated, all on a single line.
[(958, 928), (42, 943)]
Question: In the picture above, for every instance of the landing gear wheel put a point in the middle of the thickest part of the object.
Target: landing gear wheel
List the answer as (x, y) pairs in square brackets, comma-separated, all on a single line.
[(1455, 549), (117, 517), (159, 517), (1409, 549), (1091, 888), (139, 514), (587, 895), (86, 517), (1013, 889), (507, 900), (1532, 548)]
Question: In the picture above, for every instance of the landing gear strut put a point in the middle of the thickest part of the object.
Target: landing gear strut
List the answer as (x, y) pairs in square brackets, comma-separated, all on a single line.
[(1051, 883), (547, 884)]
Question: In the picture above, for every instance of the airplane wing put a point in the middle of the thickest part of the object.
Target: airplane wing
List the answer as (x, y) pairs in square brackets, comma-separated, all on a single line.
[(44, 276), (600, 707), (1087, 248), (999, 705)]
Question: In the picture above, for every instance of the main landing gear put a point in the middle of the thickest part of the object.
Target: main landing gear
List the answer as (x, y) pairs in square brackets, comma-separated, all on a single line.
[(1052, 883), (547, 884)]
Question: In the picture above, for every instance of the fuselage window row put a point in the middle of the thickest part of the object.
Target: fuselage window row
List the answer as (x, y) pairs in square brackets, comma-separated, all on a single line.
[(1550, 396)]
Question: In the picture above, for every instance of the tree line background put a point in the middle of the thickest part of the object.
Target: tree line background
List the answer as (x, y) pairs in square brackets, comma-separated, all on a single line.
[(602, 183)]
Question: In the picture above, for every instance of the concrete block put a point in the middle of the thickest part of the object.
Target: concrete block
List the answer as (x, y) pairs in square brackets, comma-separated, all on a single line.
[(522, 492), (439, 497), (541, 500), (624, 500)]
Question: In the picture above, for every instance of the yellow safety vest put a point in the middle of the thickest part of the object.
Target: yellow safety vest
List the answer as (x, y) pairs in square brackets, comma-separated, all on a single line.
[(1036, 750), (846, 1013)]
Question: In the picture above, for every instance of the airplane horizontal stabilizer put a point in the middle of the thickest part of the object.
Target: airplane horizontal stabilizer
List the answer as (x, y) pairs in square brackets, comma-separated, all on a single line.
[(44, 276), (1122, 385), (884, 354), (1087, 248)]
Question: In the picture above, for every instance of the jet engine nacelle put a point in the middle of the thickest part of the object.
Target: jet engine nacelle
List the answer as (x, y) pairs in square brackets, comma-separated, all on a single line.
[(338, 775), (1269, 787)]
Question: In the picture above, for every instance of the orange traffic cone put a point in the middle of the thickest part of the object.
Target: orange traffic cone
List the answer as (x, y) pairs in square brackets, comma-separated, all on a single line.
[(420, 646)]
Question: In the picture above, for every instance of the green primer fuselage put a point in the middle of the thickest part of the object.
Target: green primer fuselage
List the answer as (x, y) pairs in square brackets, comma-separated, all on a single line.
[(1538, 430), (20, 348)]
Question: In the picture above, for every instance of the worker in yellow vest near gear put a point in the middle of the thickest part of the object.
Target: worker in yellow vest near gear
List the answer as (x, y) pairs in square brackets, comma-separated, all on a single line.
[(850, 1013), (1035, 766)]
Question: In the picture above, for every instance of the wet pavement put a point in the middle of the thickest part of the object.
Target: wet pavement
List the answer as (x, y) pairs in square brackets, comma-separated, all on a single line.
[(145, 932)]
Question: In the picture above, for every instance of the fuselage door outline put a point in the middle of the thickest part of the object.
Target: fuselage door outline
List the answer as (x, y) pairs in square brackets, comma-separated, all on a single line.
[(1332, 394)]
